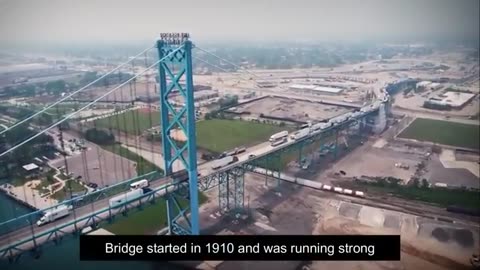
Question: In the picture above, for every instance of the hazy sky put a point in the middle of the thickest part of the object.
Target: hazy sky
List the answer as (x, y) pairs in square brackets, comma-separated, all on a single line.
[(121, 20)]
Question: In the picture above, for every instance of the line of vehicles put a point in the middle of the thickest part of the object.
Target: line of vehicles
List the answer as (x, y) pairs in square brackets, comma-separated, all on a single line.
[(311, 129), (137, 189), (281, 137)]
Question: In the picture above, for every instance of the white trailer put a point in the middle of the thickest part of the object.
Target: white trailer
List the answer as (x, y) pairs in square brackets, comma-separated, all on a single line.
[(278, 142), (224, 162), (301, 134), (139, 184), (54, 214), (278, 136), (126, 197)]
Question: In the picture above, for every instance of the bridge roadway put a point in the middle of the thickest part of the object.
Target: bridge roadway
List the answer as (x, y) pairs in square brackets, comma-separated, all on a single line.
[(100, 208), (22, 238)]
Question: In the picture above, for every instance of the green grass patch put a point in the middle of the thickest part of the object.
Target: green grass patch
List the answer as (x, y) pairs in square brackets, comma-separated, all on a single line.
[(63, 176), (143, 166), (132, 122), (440, 196), (443, 132), (18, 181), (151, 219), (218, 135), (70, 186), (60, 109)]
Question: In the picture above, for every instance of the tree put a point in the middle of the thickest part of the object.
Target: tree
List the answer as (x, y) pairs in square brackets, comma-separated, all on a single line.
[(50, 178), (100, 136), (55, 87), (425, 183)]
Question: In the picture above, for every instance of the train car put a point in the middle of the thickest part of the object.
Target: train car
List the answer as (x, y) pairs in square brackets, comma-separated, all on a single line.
[(359, 194)]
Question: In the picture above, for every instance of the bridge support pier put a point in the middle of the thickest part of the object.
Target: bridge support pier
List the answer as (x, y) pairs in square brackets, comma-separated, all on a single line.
[(300, 156), (335, 149), (231, 190)]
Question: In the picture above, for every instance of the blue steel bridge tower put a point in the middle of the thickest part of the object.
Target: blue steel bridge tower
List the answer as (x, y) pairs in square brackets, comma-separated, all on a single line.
[(175, 78)]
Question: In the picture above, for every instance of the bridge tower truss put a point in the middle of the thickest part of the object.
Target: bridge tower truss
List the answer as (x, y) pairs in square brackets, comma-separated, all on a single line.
[(179, 118), (231, 186)]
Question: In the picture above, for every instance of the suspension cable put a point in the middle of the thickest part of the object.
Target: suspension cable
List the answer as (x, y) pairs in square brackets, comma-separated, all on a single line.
[(88, 105), (73, 93)]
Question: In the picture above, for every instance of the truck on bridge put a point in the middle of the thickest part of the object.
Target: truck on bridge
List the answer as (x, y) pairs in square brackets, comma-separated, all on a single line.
[(139, 184), (234, 152), (278, 138), (54, 214), (224, 162), (126, 197), (300, 134)]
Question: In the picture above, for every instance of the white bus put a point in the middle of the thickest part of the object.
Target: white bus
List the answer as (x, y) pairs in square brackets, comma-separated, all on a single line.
[(139, 184)]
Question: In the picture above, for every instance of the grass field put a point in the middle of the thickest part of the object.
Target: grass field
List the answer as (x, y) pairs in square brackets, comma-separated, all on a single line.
[(132, 122), (220, 135), (443, 132), (147, 221), (70, 184), (442, 197)]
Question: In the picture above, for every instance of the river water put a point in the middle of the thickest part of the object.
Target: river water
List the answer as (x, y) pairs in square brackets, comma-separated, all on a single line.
[(65, 255)]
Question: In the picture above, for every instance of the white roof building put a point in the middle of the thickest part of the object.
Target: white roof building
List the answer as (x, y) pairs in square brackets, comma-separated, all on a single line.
[(312, 87), (30, 167), (423, 84)]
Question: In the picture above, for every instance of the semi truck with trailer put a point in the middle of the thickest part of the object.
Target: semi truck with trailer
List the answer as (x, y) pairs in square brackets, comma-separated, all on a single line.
[(300, 134), (236, 151), (139, 184), (126, 197), (278, 136), (224, 162), (279, 141), (54, 214)]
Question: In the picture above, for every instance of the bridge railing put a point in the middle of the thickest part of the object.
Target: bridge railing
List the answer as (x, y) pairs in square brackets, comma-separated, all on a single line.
[(94, 163), (84, 200)]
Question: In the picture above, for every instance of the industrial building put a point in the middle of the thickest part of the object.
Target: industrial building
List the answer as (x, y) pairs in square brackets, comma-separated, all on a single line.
[(315, 89), (427, 85), (206, 94), (449, 100), (266, 84)]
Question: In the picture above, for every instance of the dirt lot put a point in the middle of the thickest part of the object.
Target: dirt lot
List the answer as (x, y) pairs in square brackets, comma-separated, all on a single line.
[(426, 244), (371, 161), (298, 110)]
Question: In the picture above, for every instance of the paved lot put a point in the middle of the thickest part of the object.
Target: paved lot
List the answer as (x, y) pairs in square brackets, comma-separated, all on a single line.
[(99, 166)]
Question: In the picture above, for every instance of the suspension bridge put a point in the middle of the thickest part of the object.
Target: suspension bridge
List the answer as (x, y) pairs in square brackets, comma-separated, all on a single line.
[(175, 175)]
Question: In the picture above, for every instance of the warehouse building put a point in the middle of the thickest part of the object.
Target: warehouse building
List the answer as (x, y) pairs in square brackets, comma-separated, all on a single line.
[(315, 89), (449, 100), (427, 85)]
